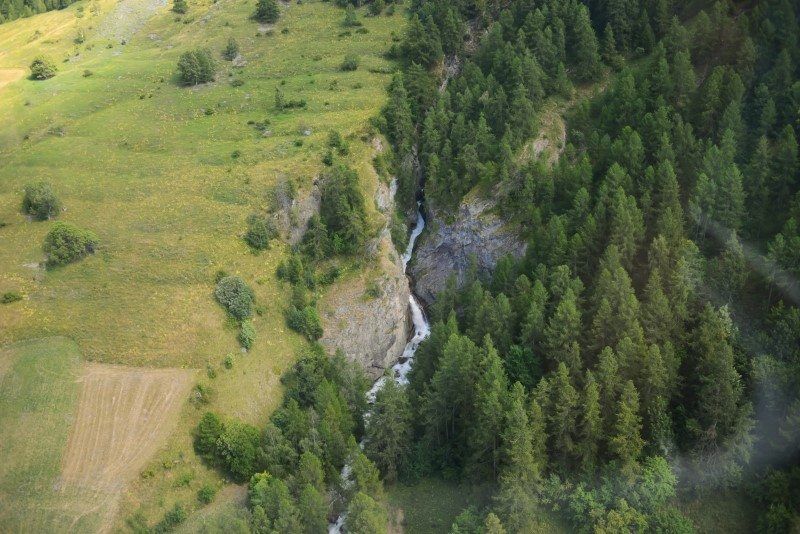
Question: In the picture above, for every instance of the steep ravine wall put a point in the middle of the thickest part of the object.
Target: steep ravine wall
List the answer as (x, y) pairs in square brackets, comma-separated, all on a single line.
[(447, 248)]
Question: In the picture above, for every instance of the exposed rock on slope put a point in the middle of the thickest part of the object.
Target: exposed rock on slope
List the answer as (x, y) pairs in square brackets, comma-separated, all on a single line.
[(367, 317), (447, 248)]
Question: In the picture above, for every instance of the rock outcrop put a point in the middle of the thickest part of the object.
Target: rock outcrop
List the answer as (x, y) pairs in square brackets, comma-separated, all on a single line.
[(366, 316), (448, 248)]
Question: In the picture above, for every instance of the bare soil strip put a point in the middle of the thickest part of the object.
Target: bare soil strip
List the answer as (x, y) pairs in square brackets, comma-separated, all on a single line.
[(123, 416), (10, 75)]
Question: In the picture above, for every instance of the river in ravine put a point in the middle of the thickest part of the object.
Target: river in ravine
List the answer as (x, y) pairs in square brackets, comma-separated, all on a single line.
[(400, 370)]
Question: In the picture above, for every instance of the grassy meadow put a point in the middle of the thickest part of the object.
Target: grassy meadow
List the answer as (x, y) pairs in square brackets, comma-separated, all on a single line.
[(166, 176)]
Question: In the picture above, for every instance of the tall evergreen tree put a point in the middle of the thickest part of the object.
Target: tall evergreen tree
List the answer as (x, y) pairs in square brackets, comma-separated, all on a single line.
[(626, 442)]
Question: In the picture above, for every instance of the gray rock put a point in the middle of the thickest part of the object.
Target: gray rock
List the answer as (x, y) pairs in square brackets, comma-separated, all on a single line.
[(447, 248), (367, 317)]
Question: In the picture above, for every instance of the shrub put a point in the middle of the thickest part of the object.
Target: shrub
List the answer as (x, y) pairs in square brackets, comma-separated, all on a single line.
[(376, 7), (196, 66), (228, 362), (305, 321), (231, 50), (66, 243), (174, 517), (235, 296), (238, 447), (247, 334), (40, 201), (350, 63), (267, 11), (206, 494), (351, 18), (259, 232), (179, 6), (208, 432), (43, 68), (10, 296)]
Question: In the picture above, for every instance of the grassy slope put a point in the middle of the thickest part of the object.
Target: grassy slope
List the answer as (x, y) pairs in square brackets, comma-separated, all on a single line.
[(38, 397), (154, 177)]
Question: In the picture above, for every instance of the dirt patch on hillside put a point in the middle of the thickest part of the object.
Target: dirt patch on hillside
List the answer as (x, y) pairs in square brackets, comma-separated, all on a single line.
[(123, 416), (127, 17), (10, 75)]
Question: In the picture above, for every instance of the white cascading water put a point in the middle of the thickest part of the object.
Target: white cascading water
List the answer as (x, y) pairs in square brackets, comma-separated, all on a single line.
[(422, 330)]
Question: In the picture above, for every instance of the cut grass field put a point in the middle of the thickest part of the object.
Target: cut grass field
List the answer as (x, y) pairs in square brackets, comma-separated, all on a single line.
[(149, 166)]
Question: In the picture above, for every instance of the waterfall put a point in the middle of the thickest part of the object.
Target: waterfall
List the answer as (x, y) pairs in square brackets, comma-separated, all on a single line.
[(400, 370)]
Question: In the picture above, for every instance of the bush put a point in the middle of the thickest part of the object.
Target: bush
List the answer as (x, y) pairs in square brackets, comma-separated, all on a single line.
[(267, 11), (351, 18), (179, 6), (305, 321), (238, 448), (43, 68), (196, 66), (174, 517), (208, 432), (350, 63), (247, 334), (376, 7), (40, 201), (206, 494), (231, 50), (228, 362), (10, 296), (259, 232), (66, 243), (235, 296)]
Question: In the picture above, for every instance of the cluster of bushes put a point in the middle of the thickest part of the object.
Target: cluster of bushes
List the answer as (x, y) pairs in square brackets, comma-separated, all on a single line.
[(350, 63), (180, 6), (294, 464), (15, 9), (237, 298), (66, 243), (196, 67)]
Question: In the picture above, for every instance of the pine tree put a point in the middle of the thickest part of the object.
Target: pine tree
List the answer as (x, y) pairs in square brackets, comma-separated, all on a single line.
[(684, 81), (758, 180), (658, 321), (584, 50), (609, 51), (626, 442), (312, 510), (533, 325), (267, 11)]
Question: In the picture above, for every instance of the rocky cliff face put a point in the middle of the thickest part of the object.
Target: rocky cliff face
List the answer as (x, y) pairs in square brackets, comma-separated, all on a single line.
[(367, 316), (447, 247)]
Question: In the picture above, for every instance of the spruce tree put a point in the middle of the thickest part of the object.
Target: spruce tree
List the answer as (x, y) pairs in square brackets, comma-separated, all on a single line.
[(562, 415)]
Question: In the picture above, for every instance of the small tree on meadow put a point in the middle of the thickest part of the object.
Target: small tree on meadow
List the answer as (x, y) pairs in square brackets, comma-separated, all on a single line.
[(196, 66), (231, 50), (40, 201)]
